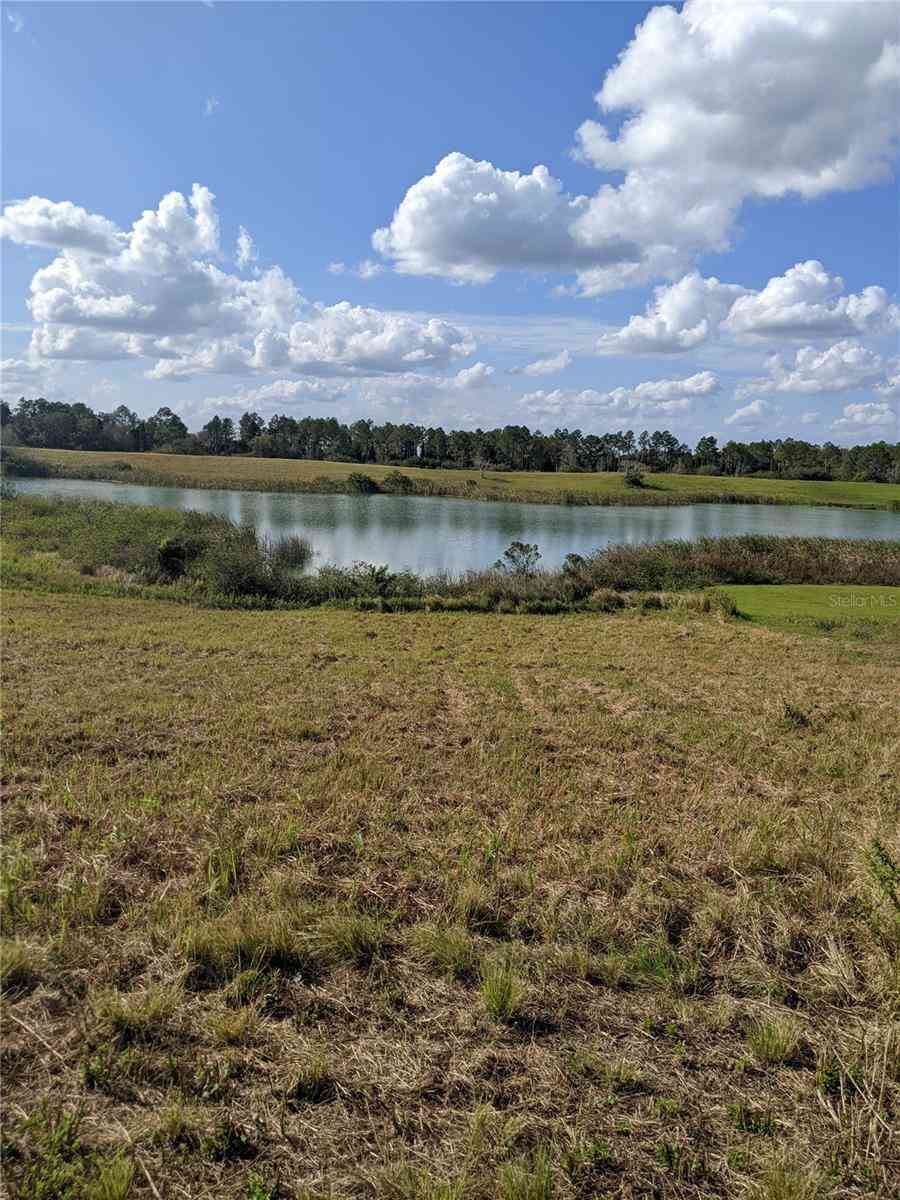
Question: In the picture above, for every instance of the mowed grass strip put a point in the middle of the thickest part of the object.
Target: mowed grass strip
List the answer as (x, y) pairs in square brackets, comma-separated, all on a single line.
[(821, 608), (430, 905), (273, 474)]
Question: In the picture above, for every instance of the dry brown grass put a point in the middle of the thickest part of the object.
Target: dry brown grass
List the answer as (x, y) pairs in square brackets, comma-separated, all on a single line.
[(439, 905)]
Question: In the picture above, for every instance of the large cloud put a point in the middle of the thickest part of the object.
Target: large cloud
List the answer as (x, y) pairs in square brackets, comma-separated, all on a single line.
[(806, 301), (681, 316), (652, 398), (160, 292), (722, 101), (469, 219), (844, 367)]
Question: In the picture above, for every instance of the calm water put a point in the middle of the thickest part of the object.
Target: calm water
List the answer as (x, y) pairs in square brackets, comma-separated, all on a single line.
[(431, 534)]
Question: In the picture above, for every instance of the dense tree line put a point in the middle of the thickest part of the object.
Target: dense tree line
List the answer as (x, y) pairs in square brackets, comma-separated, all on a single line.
[(56, 425)]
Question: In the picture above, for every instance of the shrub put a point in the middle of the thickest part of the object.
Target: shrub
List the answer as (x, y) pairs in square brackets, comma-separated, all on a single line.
[(633, 474), (519, 558), (291, 553), (236, 564), (398, 484), (361, 484)]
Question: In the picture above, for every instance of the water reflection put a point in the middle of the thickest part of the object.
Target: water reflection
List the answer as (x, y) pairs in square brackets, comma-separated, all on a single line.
[(428, 534)]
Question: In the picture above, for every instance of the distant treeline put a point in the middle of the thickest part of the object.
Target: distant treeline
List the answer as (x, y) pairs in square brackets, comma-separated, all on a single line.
[(59, 426)]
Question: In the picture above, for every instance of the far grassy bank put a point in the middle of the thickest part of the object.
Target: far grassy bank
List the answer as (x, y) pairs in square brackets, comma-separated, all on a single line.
[(301, 475)]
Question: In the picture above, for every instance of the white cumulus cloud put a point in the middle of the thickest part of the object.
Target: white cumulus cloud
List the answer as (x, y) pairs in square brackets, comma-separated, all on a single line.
[(752, 415), (653, 397), (468, 220), (866, 416), (716, 103), (842, 367), (280, 393), (681, 316), (806, 301), (159, 293)]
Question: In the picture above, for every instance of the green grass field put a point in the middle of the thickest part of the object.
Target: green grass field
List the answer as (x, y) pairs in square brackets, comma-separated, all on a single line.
[(842, 608), (437, 906), (271, 474)]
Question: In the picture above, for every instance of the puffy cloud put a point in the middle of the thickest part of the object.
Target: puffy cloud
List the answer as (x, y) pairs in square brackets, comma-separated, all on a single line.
[(653, 397), (246, 252), (545, 366), (351, 340), (468, 220), (681, 316), (337, 268), (213, 104), (803, 302), (756, 413), (717, 102), (279, 393), (159, 293), (806, 302), (476, 376), (843, 367), (890, 388), (868, 415), (16, 20), (40, 222)]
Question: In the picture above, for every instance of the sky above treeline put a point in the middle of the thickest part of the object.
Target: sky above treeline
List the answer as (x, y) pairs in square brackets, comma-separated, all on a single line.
[(597, 216)]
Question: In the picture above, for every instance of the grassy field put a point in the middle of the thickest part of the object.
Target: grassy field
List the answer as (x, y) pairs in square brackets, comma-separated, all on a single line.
[(821, 608), (273, 474), (433, 906)]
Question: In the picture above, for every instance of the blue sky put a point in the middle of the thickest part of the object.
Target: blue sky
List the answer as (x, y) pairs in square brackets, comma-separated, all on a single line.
[(735, 146)]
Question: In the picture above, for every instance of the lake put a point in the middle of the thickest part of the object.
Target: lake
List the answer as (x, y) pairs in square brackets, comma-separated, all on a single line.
[(429, 534)]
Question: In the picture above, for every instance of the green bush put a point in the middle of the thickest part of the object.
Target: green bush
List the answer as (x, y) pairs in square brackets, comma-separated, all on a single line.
[(361, 484), (397, 484)]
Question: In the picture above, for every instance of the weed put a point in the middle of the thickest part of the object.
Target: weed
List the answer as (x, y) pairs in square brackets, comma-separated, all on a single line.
[(139, 1016), (781, 1180), (794, 718), (20, 967), (450, 949), (774, 1042), (502, 991), (351, 937), (751, 1120), (527, 1179), (313, 1084)]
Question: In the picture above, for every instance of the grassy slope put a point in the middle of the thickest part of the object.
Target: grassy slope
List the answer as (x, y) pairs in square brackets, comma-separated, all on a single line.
[(620, 810), (261, 474)]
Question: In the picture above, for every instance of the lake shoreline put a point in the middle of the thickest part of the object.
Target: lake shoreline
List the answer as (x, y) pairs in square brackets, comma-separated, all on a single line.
[(595, 490)]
